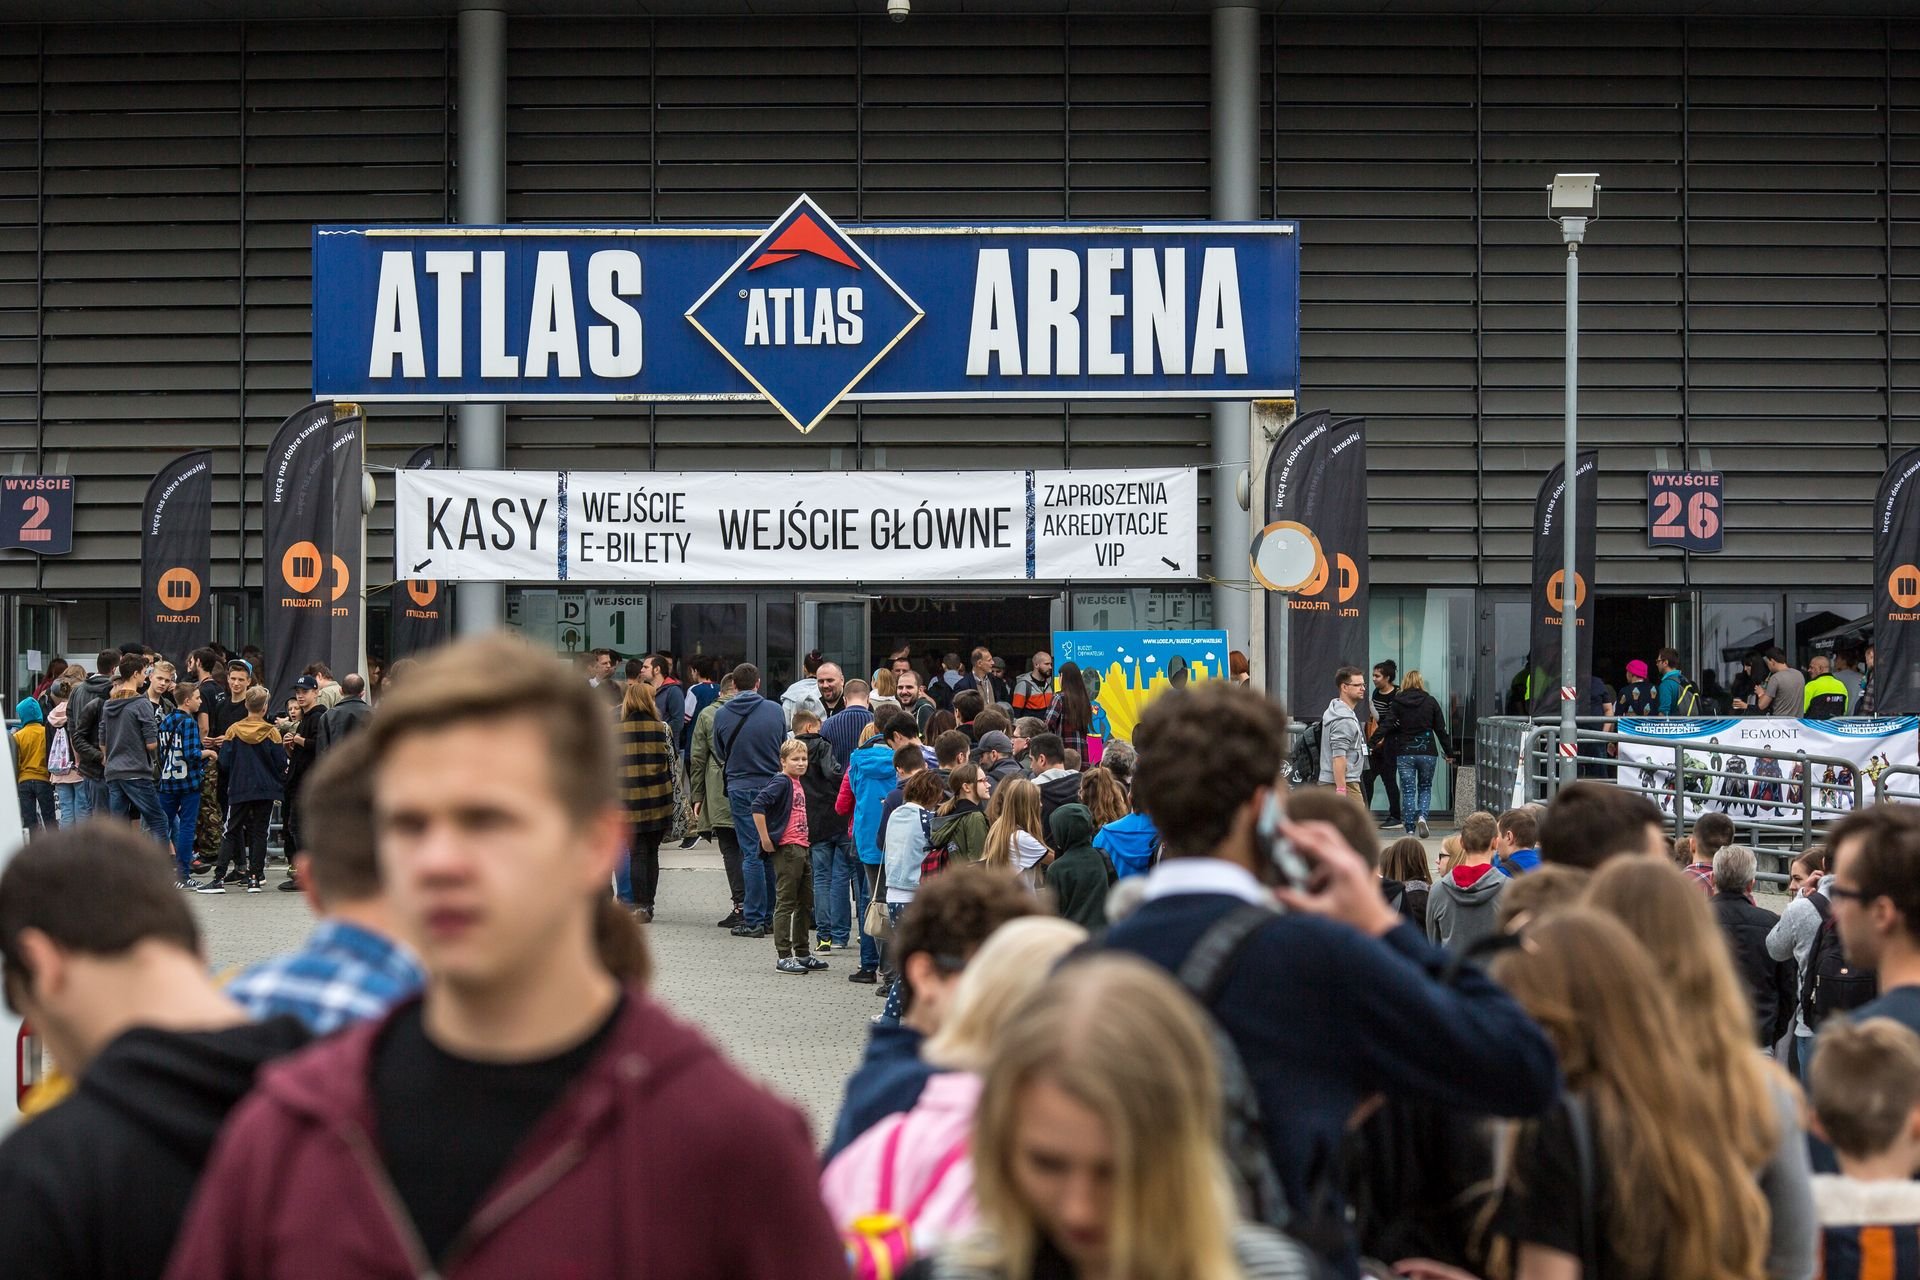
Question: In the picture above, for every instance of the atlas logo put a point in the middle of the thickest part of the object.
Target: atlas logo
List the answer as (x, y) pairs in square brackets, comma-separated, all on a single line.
[(804, 314)]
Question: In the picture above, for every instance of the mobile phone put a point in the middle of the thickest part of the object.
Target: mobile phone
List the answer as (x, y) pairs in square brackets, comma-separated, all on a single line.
[(1290, 870)]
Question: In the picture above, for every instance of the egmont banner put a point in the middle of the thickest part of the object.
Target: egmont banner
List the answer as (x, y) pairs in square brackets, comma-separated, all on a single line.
[(804, 313), (778, 526), (1766, 789), (176, 556)]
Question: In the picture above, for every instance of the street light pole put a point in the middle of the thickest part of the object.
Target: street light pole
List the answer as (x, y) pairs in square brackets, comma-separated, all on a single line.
[(1574, 229), (1571, 199)]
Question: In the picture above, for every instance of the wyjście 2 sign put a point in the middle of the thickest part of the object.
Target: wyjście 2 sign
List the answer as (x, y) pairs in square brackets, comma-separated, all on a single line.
[(804, 313), (762, 526)]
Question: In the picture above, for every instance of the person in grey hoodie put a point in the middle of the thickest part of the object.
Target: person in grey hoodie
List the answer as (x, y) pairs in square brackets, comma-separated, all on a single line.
[(130, 741), (83, 732), (1465, 906), (1343, 740)]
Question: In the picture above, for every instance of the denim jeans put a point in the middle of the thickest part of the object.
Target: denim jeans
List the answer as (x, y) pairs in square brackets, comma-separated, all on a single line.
[(1416, 787), (755, 868), (135, 797), (95, 790), (834, 868), (37, 811), (182, 809), (74, 801), (1803, 1055), (863, 878)]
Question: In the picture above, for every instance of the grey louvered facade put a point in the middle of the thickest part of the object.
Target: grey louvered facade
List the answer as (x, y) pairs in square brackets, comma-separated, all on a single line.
[(1749, 291)]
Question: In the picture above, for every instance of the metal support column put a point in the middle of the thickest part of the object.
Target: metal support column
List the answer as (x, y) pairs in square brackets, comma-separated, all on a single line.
[(480, 437), (1235, 174)]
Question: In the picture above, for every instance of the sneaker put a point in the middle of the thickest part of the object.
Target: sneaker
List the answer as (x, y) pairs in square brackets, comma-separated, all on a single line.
[(789, 965), (814, 963), (863, 975), (256, 885), (1390, 821), (289, 886), (733, 920), (211, 886), (1420, 828), (823, 944), (183, 884), (235, 876), (689, 842), (642, 916), (752, 931)]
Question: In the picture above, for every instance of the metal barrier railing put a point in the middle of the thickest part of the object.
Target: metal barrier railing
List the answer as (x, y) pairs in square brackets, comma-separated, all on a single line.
[(1781, 808), (1882, 791)]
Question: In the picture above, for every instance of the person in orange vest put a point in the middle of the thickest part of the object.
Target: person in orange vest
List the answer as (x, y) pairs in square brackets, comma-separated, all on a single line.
[(1033, 692)]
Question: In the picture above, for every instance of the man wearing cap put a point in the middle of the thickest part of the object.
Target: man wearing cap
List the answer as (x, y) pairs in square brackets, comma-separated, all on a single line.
[(303, 749), (1638, 696), (994, 755)]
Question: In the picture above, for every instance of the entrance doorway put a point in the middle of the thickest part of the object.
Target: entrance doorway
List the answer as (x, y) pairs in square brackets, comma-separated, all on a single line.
[(1625, 628), (1013, 627)]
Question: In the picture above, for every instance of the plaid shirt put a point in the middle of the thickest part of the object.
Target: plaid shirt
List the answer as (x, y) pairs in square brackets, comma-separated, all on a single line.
[(343, 974), (181, 764), (1701, 873)]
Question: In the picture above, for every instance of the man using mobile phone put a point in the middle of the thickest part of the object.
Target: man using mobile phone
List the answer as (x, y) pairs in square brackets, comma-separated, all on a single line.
[(1386, 1016)]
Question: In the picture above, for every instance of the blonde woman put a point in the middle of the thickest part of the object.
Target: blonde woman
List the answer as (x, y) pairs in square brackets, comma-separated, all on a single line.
[(1095, 1144), (1015, 840), (885, 691), (1672, 1196), (1759, 1107), (914, 1165)]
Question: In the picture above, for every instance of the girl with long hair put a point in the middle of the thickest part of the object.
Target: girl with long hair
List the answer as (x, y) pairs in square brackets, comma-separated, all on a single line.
[(646, 786), (1104, 797), (1015, 840), (962, 822), (1070, 714), (1406, 877), (1096, 1149), (1671, 1194), (1758, 1108)]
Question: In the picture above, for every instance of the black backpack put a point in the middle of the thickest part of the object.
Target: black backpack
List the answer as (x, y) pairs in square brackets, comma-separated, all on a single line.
[(1830, 985), (1303, 765), (1687, 701)]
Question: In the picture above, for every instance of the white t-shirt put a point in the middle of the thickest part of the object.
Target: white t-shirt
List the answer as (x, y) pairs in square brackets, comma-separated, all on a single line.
[(1027, 851)]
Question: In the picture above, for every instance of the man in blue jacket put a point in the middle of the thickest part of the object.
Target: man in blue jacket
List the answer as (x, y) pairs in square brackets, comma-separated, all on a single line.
[(1335, 1000), (747, 732)]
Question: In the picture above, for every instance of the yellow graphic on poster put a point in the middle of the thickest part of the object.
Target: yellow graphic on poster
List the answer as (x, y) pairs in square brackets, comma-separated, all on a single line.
[(1126, 670)]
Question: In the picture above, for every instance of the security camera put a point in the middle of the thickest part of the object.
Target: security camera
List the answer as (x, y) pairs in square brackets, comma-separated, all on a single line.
[(899, 9)]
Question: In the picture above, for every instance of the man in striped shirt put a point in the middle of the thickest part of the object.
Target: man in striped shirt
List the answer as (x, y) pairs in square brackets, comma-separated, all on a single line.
[(350, 967)]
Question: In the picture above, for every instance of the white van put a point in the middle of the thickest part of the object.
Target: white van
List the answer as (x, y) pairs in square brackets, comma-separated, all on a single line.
[(21, 1049)]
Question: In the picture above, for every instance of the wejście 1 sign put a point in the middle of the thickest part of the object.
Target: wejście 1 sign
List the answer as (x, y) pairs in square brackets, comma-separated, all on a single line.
[(817, 526)]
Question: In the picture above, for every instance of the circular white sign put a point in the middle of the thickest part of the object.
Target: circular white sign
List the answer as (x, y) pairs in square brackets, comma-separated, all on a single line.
[(1285, 556)]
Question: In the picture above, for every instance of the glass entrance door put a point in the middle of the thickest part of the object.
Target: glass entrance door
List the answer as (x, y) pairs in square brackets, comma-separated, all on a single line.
[(722, 624), (836, 625)]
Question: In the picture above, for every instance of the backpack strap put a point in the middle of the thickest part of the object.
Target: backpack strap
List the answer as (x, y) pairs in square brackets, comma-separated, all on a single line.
[(1207, 965), (1578, 1122), (889, 1158), (955, 1154)]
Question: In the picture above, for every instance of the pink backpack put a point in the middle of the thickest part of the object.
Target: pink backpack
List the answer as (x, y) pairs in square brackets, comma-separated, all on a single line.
[(880, 1244)]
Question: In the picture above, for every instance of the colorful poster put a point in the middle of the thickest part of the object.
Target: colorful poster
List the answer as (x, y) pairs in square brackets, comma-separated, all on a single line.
[(1125, 670), (1763, 789)]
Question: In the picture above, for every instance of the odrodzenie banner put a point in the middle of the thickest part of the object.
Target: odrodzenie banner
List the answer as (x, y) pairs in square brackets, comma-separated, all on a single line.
[(1766, 789), (814, 526)]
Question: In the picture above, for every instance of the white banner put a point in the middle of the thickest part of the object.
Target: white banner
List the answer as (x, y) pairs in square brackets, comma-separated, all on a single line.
[(1770, 789), (811, 526)]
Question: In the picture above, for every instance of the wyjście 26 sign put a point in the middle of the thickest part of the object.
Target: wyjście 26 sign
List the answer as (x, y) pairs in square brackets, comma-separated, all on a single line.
[(804, 313)]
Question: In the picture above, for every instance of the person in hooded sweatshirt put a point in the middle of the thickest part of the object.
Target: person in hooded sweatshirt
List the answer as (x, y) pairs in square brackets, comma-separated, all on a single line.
[(31, 780), (747, 733), (104, 958), (1058, 784), (255, 765), (130, 738), (1465, 906), (1131, 843), (1080, 876)]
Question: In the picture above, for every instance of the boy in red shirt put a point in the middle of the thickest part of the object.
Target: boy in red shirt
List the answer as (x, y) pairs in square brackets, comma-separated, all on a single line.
[(780, 819)]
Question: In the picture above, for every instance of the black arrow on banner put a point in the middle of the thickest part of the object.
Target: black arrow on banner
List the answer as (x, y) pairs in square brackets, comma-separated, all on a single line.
[(423, 564)]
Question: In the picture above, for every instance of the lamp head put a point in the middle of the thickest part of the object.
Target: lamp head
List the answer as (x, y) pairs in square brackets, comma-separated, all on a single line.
[(1573, 194)]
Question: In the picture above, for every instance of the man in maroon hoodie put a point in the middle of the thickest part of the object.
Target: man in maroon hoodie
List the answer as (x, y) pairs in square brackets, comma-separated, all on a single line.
[(529, 1116)]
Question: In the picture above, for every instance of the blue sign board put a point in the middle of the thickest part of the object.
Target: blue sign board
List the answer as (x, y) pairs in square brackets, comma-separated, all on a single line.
[(1125, 670), (36, 514), (804, 313)]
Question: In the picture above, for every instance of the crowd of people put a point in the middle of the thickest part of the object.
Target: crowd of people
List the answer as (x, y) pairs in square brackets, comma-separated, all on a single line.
[(1158, 1016)]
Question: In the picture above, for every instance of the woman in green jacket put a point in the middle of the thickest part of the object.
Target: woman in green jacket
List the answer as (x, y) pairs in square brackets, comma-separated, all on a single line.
[(962, 821), (646, 785)]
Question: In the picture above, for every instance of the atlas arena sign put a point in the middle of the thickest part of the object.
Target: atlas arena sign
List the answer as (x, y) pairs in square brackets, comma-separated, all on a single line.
[(804, 313)]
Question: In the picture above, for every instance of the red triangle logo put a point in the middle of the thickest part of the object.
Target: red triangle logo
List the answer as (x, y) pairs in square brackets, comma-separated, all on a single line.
[(803, 235)]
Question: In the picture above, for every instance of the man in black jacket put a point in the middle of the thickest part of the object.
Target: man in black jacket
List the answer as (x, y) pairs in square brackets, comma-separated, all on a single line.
[(103, 957), (303, 748), (350, 713), (84, 733), (1771, 984)]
